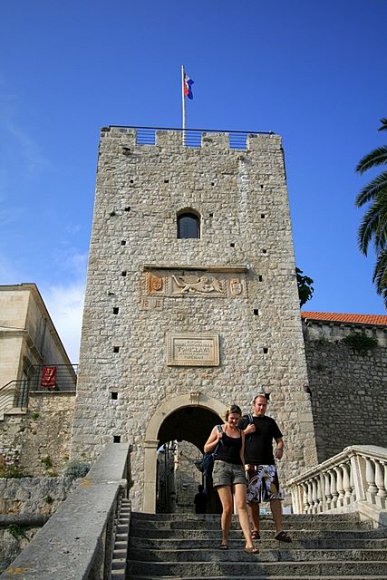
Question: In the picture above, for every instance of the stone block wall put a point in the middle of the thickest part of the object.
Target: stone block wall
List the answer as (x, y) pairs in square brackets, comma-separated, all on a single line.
[(144, 285), (38, 442), (348, 394)]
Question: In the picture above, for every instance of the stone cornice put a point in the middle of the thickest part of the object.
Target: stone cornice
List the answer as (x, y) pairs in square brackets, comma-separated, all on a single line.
[(196, 268)]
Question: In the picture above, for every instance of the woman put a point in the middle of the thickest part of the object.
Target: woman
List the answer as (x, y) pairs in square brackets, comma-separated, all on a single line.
[(229, 474)]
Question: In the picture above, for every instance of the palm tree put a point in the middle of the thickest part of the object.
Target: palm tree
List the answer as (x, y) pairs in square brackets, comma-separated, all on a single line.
[(373, 227)]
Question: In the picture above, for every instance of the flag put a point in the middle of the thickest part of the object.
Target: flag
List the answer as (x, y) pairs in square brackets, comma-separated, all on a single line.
[(188, 82), (48, 378)]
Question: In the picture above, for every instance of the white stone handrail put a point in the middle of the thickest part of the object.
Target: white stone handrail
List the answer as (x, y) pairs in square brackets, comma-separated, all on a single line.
[(355, 479)]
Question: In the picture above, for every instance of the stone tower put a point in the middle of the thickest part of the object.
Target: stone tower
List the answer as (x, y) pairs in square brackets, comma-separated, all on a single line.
[(191, 300)]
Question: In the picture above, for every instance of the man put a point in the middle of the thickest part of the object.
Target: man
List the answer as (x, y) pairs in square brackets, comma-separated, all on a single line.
[(200, 501), (260, 432)]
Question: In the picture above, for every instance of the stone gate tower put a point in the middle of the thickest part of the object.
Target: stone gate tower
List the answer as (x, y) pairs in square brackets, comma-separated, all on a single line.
[(191, 300)]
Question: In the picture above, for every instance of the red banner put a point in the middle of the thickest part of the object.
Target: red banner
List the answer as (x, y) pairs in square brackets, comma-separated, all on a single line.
[(48, 377)]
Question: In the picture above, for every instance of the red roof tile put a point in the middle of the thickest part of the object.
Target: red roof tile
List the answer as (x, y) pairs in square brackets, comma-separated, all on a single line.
[(370, 319)]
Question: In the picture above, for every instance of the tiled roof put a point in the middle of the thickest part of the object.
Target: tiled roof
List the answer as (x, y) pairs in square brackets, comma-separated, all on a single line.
[(370, 319)]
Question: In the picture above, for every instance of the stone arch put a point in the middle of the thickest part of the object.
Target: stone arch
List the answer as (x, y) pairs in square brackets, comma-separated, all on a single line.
[(168, 407)]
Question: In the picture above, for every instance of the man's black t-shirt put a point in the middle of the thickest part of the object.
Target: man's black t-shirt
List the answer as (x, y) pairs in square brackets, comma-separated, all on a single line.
[(259, 445)]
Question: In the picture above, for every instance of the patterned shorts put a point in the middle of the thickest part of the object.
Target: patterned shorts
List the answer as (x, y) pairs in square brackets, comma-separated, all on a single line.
[(263, 483)]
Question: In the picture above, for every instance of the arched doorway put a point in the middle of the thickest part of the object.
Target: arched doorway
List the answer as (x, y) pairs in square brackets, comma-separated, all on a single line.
[(181, 439), (178, 424)]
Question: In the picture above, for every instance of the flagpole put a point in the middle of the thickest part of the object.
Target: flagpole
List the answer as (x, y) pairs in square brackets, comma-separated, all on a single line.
[(183, 102)]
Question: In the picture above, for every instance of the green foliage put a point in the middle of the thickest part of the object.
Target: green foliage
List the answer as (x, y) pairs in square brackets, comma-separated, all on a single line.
[(12, 472), (34, 415), (360, 342), (75, 469), (305, 288), (48, 499), (17, 531), (47, 462), (373, 227)]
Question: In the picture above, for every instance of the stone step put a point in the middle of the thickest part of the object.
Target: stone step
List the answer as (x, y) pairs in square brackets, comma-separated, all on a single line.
[(322, 524), (267, 523), (121, 542), (118, 564), (238, 577), (297, 544), (208, 519), (256, 568), (239, 555), (188, 547), (214, 534)]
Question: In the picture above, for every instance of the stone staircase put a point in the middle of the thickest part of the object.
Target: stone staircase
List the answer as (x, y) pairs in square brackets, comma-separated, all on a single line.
[(186, 546), (121, 541)]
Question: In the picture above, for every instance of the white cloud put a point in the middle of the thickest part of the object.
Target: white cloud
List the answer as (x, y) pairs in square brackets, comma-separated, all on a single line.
[(65, 305)]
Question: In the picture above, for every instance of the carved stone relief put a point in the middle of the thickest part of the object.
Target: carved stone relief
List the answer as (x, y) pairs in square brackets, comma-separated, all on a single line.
[(180, 283)]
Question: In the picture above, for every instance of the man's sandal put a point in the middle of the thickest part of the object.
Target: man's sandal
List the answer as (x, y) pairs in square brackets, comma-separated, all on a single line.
[(283, 537), (251, 550), (255, 535)]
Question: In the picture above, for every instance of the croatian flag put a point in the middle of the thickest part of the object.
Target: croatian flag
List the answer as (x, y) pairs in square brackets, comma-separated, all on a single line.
[(188, 82)]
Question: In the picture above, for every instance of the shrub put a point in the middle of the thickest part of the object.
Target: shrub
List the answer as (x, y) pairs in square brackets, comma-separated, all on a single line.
[(75, 469), (360, 342), (13, 472), (47, 461), (17, 531)]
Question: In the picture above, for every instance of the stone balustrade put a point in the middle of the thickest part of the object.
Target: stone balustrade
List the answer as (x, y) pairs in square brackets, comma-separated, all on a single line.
[(355, 479)]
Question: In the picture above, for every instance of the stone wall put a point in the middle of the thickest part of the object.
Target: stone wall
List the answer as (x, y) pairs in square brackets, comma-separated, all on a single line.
[(233, 289), (348, 393), (26, 497), (38, 442)]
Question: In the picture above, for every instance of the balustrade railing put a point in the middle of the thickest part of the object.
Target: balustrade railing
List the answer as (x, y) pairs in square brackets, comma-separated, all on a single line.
[(357, 474), (60, 378), (13, 394)]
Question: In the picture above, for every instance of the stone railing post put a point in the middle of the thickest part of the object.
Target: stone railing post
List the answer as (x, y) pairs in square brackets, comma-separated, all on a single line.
[(357, 478), (339, 484), (346, 483), (334, 492), (370, 479), (380, 499)]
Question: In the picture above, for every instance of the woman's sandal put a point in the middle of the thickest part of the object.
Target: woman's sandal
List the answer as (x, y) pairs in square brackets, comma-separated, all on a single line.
[(223, 546), (283, 537), (251, 550), (255, 535)]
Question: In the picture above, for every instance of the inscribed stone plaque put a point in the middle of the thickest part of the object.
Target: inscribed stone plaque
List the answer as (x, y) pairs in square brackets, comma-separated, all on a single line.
[(193, 350)]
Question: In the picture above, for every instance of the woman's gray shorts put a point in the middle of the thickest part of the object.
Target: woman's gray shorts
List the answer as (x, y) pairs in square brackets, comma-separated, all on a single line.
[(227, 474)]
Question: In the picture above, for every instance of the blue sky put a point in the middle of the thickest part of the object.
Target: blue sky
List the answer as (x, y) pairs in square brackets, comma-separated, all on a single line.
[(312, 71)]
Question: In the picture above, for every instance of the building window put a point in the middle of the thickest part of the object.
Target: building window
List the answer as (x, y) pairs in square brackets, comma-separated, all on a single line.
[(188, 225)]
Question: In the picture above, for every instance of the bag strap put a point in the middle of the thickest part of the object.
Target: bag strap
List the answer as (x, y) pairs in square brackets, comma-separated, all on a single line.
[(220, 442)]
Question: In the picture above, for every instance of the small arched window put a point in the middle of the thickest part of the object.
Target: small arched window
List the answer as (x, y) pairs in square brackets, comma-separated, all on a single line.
[(188, 225)]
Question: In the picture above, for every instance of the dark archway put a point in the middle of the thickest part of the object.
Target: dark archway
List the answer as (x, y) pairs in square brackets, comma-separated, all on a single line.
[(191, 424), (181, 439)]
